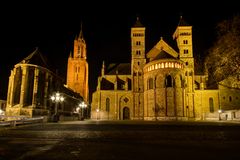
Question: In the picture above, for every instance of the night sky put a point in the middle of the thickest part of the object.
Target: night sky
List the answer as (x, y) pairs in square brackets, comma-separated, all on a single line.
[(52, 27)]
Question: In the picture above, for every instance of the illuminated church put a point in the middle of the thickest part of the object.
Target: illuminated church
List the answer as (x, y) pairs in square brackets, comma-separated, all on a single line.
[(77, 70), (160, 84), (33, 86)]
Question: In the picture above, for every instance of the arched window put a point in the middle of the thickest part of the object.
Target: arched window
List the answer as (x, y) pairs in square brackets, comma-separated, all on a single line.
[(107, 104), (211, 105), (169, 81), (150, 83)]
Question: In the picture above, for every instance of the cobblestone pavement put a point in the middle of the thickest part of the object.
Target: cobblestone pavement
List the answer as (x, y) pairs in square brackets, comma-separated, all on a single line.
[(121, 140)]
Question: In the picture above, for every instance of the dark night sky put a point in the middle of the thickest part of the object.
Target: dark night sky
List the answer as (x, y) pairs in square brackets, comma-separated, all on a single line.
[(52, 26)]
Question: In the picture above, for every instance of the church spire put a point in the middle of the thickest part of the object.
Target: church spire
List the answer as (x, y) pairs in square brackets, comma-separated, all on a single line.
[(182, 22), (81, 32), (70, 54), (138, 23), (77, 72), (103, 68)]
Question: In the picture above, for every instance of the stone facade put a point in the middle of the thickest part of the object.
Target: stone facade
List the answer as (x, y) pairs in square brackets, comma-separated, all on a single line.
[(31, 85), (161, 84), (77, 70)]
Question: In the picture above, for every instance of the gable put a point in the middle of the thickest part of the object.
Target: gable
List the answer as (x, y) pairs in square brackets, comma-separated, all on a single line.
[(158, 48), (36, 58)]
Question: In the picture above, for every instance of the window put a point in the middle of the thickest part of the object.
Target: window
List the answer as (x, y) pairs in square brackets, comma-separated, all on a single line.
[(185, 51), (126, 99), (138, 43), (169, 81), (185, 34), (107, 104), (138, 52), (185, 41), (211, 106), (230, 99)]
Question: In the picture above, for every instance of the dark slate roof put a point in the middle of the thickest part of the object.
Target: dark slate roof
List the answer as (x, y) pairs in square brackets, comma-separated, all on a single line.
[(36, 58), (182, 22), (138, 23), (119, 68), (163, 55), (106, 85)]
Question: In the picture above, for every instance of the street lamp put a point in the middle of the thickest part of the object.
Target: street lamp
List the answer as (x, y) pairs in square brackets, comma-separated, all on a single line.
[(97, 110), (82, 105), (219, 114), (56, 98)]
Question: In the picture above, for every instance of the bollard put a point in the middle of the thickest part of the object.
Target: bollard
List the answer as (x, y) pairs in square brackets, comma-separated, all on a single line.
[(13, 123)]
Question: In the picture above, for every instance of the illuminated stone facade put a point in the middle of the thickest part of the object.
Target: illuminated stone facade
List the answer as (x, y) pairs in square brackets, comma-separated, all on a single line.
[(158, 85), (31, 84), (77, 70)]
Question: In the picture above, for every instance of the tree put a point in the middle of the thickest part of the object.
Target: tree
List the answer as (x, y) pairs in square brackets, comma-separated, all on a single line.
[(223, 59)]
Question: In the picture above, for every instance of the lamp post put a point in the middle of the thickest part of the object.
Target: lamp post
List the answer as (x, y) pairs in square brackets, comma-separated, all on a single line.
[(97, 110), (219, 114), (82, 105), (56, 98)]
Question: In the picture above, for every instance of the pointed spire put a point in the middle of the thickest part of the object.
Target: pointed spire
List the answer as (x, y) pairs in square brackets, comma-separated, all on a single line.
[(182, 22), (103, 64), (138, 23), (70, 54), (81, 32), (103, 68)]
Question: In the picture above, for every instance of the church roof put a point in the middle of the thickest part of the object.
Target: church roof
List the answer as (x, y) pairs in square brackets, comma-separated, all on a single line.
[(138, 23), (106, 84), (163, 55), (119, 68), (36, 58), (182, 22)]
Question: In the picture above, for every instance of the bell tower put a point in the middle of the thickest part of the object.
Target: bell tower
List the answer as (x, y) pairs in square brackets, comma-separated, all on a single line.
[(137, 64), (183, 37), (77, 71)]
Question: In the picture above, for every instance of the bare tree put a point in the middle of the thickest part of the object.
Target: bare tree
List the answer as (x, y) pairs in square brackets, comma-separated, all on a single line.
[(223, 59)]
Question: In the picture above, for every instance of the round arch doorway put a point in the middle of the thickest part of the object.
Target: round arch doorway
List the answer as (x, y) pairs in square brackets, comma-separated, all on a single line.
[(126, 113)]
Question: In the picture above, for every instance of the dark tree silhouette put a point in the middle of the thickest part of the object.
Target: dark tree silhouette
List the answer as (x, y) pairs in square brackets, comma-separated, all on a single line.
[(223, 59)]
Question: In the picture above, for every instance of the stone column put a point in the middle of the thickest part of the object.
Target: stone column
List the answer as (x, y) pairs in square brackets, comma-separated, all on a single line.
[(10, 88), (23, 86), (35, 87), (46, 91)]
